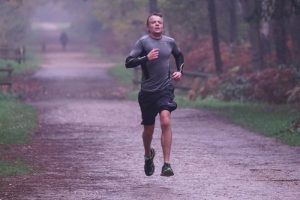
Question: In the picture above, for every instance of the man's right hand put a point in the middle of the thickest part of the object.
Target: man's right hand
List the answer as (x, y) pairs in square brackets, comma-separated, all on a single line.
[(153, 54)]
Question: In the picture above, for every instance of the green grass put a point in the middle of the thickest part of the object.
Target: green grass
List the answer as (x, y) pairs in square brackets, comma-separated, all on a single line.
[(121, 73), (17, 121), (13, 168), (32, 62)]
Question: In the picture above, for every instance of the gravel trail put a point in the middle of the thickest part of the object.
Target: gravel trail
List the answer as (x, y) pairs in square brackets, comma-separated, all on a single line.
[(89, 146)]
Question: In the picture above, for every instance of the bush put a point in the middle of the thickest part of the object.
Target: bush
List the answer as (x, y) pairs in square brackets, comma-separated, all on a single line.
[(271, 85), (234, 88)]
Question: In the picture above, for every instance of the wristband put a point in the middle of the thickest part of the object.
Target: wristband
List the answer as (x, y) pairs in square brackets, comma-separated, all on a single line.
[(181, 68)]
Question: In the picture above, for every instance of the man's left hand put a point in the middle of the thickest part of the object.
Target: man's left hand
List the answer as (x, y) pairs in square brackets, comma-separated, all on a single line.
[(176, 76)]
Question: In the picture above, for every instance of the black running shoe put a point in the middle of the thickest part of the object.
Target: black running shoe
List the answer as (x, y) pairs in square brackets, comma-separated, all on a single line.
[(149, 165), (167, 170)]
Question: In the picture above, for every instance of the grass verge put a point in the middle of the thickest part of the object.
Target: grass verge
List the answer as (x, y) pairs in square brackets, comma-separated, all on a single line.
[(269, 120), (17, 120), (122, 74), (13, 168)]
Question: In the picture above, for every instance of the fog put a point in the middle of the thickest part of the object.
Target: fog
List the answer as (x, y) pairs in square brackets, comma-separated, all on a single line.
[(48, 22)]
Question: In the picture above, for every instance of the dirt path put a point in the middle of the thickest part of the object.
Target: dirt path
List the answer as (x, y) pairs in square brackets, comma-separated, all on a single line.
[(89, 147)]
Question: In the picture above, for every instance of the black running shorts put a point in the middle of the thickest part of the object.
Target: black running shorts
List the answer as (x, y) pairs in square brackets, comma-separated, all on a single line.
[(152, 103)]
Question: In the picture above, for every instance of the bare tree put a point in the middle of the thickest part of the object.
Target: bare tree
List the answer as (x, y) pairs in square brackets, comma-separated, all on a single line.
[(153, 7), (252, 15), (295, 33), (215, 35), (233, 32)]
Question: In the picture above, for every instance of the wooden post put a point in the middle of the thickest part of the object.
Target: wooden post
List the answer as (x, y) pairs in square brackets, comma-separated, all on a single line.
[(7, 80), (193, 92)]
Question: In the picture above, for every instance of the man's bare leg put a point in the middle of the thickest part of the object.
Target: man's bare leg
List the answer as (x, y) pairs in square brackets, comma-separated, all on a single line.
[(147, 138), (166, 136)]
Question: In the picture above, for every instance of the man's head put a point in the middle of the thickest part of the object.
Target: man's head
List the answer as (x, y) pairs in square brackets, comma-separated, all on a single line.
[(155, 24)]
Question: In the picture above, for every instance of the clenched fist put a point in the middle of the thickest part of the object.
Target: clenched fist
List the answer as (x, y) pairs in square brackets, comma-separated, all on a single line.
[(153, 54)]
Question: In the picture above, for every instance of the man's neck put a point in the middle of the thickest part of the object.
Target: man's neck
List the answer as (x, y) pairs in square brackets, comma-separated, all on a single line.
[(155, 36)]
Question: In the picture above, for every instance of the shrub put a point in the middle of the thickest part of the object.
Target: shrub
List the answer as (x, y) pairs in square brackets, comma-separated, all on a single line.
[(271, 85)]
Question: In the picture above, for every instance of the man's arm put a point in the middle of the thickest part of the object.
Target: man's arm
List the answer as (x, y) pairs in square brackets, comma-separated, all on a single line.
[(136, 56), (132, 62), (179, 58)]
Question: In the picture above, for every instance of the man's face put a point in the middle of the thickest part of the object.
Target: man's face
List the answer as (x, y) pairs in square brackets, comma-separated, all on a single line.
[(155, 25)]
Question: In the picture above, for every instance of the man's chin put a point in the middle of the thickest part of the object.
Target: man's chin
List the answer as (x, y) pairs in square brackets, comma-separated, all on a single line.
[(157, 33)]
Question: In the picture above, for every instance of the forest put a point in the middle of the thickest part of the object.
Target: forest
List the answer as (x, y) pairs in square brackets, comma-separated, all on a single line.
[(252, 46)]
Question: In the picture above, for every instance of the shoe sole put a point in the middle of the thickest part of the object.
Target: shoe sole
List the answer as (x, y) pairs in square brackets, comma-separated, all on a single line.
[(167, 173)]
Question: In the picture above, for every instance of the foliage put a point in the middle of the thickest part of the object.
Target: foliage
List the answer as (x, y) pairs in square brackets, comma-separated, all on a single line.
[(14, 21), (11, 25), (119, 23), (121, 73), (185, 18), (200, 57), (270, 85), (234, 88), (33, 61), (294, 95), (291, 132), (17, 121), (269, 9)]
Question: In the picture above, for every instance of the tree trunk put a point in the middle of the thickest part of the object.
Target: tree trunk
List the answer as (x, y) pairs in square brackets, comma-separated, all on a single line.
[(251, 12), (215, 35), (295, 33), (153, 7), (232, 21), (280, 32)]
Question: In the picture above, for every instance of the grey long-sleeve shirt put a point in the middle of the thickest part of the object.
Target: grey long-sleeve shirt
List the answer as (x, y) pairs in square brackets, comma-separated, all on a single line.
[(156, 73)]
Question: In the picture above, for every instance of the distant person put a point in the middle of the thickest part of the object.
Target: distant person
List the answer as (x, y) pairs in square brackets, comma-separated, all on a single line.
[(156, 96), (64, 40), (44, 46)]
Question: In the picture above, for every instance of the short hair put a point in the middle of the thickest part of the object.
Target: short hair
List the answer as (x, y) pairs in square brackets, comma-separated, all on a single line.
[(153, 14)]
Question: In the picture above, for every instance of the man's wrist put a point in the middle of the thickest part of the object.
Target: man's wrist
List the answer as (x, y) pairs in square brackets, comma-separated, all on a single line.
[(144, 58), (181, 68)]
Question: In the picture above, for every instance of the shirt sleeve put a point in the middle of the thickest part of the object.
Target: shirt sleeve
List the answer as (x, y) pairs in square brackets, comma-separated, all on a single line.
[(137, 56), (179, 58)]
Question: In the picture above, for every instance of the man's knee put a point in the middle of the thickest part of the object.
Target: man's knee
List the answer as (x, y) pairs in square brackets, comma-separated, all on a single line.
[(165, 119)]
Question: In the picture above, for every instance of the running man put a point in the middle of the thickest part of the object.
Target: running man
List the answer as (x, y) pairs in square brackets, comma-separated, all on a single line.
[(156, 96)]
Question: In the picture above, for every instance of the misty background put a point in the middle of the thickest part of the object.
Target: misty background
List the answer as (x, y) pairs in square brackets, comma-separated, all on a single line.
[(242, 40)]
